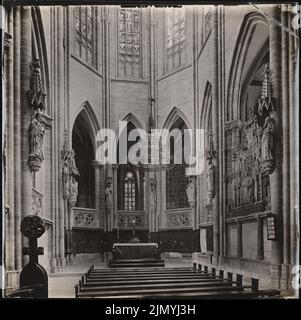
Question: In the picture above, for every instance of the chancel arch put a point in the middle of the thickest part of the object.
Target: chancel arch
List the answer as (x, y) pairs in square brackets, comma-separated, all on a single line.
[(83, 146)]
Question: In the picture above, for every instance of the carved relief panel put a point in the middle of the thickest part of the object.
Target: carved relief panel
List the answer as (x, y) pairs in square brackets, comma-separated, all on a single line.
[(250, 157)]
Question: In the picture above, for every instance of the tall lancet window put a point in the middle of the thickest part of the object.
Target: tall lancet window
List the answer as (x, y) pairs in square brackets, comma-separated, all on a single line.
[(129, 192), (84, 34), (129, 40), (175, 40)]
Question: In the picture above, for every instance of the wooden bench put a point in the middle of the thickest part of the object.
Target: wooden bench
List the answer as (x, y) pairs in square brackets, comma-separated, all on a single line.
[(160, 283)]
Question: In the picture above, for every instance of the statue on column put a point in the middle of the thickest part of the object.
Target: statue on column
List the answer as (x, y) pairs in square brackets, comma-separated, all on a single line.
[(190, 191), (267, 145), (152, 194), (36, 133), (37, 102), (210, 180), (152, 201), (210, 153), (108, 201), (70, 173)]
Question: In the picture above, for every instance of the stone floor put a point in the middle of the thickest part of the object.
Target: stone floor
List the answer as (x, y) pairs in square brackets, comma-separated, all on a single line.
[(61, 285)]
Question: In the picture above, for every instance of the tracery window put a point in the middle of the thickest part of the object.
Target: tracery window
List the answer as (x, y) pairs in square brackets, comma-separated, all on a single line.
[(85, 31), (176, 196), (129, 48), (176, 188), (129, 192), (175, 44)]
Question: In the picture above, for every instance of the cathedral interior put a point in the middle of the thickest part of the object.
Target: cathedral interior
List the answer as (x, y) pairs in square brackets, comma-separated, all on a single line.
[(70, 71)]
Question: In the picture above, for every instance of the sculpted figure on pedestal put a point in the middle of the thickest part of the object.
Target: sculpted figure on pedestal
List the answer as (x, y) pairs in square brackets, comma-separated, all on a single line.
[(190, 191), (108, 194), (36, 133), (267, 139), (210, 181), (70, 172), (152, 194)]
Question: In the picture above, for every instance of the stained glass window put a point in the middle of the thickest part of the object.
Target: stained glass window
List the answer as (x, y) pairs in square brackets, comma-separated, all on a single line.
[(84, 40), (129, 42), (129, 192), (175, 44)]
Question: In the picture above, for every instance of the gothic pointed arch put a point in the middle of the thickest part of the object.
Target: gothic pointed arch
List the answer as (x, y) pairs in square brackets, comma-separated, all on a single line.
[(130, 117), (130, 186), (83, 143), (91, 123), (176, 197), (254, 28), (174, 115)]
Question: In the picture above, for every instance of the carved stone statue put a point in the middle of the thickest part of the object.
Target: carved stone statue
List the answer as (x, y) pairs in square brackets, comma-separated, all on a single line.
[(248, 190), (36, 133), (152, 194), (267, 145), (108, 203), (108, 194), (73, 191), (210, 180), (70, 172), (190, 191), (267, 139)]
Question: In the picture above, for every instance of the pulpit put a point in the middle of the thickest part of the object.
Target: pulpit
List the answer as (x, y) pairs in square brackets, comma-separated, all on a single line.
[(136, 255)]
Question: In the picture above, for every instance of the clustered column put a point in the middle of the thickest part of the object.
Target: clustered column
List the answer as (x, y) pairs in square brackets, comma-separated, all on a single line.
[(215, 130)]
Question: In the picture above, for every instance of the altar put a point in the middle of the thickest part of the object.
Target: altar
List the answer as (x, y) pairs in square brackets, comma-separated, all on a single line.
[(135, 255), (135, 250)]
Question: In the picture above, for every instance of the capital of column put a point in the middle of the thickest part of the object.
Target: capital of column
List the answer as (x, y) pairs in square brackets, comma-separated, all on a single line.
[(96, 164)]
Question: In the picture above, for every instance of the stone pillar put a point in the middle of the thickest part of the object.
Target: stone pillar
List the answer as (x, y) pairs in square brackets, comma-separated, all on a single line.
[(17, 140), (26, 113), (12, 244), (115, 207), (275, 177), (239, 238), (9, 80), (61, 105), (59, 261), (286, 109), (286, 138), (97, 166), (215, 130), (294, 141)]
